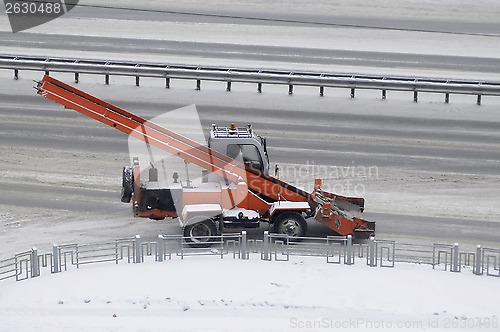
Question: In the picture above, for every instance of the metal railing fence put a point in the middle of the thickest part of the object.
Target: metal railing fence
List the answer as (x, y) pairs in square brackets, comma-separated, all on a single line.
[(491, 262), (223, 245), (256, 76), (336, 250)]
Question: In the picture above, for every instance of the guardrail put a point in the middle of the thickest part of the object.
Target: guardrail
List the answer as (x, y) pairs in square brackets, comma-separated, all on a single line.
[(336, 250), (242, 75)]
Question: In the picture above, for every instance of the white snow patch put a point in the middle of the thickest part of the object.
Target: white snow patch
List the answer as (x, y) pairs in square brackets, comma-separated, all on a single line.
[(209, 294)]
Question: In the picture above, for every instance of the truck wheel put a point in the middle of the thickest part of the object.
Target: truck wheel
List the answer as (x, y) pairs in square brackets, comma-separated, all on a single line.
[(127, 184), (291, 224), (200, 231)]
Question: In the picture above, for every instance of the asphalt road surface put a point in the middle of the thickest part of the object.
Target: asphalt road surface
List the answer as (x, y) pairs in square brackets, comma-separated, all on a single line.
[(251, 52)]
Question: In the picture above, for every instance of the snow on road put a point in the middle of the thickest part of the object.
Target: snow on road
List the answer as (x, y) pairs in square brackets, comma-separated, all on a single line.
[(108, 33), (58, 188), (210, 294)]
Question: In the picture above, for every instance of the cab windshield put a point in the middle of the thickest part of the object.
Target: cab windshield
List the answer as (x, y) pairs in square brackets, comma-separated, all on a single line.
[(246, 153)]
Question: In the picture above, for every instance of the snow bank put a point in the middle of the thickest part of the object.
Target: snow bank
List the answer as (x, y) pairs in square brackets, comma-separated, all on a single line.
[(209, 294)]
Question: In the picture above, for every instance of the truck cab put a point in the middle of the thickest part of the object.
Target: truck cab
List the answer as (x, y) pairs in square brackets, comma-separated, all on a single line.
[(242, 144)]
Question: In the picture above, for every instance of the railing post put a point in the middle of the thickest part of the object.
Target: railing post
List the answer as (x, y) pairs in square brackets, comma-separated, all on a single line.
[(321, 91), (167, 83), (35, 269), (16, 74), (106, 79), (371, 252), (384, 94), (349, 259), (160, 249), (290, 89), (138, 249), (446, 98), (244, 245), (353, 92), (415, 96), (478, 100), (56, 258), (478, 264), (259, 87), (137, 79), (455, 267), (77, 77), (198, 85), (265, 246), (228, 87)]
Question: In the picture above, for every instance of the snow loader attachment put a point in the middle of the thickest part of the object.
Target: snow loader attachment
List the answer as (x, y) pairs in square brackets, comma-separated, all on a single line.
[(238, 192)]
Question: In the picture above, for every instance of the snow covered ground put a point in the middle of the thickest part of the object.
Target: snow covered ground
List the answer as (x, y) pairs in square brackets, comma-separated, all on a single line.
[(210, 294), (438, 166)]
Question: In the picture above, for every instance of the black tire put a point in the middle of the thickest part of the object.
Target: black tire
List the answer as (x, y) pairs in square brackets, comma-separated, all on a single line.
[(127, 184), (200, 231), (290, 223)]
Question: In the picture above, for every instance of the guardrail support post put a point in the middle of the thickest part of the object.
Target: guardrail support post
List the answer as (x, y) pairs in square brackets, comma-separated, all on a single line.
[(47, 73), (244, 245), (321, 91), (479, 99), (446, 98), (353, 92), (371, 252), (290, 89), (137, 78), (77, 77), (16, 74), (455, 267), (198, 85), (265, 244), (167, 83), (160, 249), (138, 249), (478, 263), (415, 96), (35, 269), (349, 258), (228, 87), (106, 79), (259, 87), (384, 94), (56, 259)]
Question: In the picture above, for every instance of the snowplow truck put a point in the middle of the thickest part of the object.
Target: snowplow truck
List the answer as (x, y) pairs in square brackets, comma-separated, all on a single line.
[(236, 189)]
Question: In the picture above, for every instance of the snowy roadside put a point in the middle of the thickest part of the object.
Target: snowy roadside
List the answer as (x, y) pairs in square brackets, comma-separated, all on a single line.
[(210, 294)]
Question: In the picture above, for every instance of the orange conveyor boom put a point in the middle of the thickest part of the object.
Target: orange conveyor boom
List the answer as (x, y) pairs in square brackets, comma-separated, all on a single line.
[(155, 135)]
